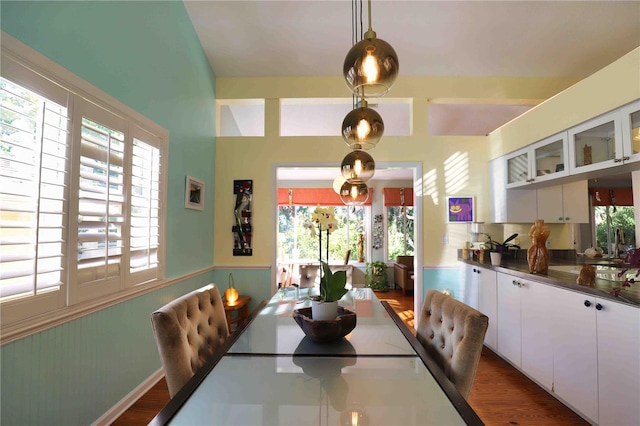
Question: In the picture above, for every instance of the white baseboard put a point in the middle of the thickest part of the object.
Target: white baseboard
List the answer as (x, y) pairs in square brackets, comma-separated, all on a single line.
[(123, 405)]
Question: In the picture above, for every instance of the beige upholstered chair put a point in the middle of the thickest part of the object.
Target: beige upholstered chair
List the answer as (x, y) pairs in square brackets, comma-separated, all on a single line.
[(188, 331), (452, 334)]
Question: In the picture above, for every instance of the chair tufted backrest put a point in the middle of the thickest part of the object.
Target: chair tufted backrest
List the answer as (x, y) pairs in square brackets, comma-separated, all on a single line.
[(188, 330), (452, 334)]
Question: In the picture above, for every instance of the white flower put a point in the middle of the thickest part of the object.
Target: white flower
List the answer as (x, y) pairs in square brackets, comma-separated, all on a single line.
[(324, 216)]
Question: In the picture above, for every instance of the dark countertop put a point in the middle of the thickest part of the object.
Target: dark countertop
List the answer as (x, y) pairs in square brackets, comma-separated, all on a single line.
[(516, 265)]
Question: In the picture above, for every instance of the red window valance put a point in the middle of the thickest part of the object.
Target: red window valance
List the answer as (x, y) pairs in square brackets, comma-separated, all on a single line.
[(393, 196), (311, 197), (623, 196)]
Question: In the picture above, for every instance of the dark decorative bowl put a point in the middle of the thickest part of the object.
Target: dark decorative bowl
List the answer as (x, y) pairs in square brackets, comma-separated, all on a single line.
[(325, 331)]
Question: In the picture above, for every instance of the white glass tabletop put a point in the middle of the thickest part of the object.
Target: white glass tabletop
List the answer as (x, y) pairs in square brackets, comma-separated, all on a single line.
[(274, 331), (306, 390)]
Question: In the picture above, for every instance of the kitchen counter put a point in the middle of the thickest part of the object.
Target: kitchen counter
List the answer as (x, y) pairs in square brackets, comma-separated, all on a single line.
[(563, 271)]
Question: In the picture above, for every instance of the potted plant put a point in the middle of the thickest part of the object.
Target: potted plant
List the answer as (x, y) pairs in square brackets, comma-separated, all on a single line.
[(496, 250), (325, 306), (501, 247), (377, 276), (332, 285)]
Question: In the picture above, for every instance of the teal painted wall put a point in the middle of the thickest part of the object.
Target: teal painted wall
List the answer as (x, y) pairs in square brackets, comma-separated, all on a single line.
[(147, 55), (442, 279)]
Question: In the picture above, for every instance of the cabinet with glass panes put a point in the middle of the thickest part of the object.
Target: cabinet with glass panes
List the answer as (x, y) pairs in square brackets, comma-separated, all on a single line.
[(543, 160), (608, 140)]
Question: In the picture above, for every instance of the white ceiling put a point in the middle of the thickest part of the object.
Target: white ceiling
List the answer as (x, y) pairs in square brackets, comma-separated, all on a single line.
[(268, 38), (263, 38)]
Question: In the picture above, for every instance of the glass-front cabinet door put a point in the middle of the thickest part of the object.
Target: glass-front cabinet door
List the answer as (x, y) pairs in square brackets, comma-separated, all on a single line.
[(631, 132), (596, 144), (549, 156), (518, 168)]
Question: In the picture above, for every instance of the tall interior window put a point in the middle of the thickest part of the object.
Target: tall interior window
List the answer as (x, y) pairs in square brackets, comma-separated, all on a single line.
[(400, 222)]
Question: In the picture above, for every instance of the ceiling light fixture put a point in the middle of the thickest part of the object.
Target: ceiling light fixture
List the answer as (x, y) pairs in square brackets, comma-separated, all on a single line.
[(354, 194), (371, 66), (363, 127), (358, 166)]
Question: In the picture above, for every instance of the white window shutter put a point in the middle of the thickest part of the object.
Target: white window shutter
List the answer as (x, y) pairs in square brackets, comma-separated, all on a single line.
[(33, 189), (145, 208), (99, 207)]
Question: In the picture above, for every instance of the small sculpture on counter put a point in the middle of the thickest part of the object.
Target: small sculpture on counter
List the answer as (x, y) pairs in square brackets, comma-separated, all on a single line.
[(587, 275), (538, 254)]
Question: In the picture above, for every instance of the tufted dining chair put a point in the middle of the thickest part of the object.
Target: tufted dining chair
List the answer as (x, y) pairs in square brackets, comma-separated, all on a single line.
[(188, 330), (452, 333)]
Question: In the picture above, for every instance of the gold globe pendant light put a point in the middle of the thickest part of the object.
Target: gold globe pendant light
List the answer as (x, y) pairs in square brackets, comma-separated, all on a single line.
[(358, 166), (362, 128), (354, 194), (371, 66)]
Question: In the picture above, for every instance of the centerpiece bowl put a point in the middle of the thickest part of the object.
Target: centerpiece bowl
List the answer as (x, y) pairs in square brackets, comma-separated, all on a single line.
[(325, 330)]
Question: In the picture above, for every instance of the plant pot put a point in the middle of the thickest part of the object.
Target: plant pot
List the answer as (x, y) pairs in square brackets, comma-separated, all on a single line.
[(496, 258), (324, 311)]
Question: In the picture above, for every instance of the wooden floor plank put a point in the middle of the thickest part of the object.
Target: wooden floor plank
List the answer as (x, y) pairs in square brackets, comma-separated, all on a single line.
[(501, 395)]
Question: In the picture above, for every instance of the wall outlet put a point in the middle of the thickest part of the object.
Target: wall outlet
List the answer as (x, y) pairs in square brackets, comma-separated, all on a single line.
[(548, 244), (445, 239)]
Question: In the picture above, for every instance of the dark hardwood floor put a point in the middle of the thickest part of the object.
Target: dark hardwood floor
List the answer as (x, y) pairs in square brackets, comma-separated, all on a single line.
[(501, 395)]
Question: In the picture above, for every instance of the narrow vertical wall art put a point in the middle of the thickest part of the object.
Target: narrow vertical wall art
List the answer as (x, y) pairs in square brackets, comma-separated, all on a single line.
[(243, 191)]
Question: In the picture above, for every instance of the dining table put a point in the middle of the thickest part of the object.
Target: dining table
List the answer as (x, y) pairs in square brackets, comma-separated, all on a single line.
[(270, 373)]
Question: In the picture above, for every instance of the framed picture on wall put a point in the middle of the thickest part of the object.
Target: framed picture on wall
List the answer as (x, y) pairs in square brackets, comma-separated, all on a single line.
[(460, 209), (194, 194)]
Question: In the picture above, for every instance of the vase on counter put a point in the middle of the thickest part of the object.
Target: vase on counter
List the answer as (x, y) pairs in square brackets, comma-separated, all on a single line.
[(538, 254)]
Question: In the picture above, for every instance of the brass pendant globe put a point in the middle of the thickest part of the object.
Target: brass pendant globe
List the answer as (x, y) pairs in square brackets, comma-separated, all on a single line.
[(362, 128), (370, 67), (354, 194), (358, 166)]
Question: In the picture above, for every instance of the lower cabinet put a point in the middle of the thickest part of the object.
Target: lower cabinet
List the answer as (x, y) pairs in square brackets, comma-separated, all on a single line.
[(524, 326), (536, 315), (618, 328), (509, 324), (575, 357), (584, 349), (488, 304)]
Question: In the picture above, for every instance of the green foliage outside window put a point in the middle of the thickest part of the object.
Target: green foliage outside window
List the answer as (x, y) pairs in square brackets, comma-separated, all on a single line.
[(623, 218), (400, 232)]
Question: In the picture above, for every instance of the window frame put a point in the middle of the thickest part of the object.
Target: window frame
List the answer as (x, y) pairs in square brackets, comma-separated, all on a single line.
[(33, 71)]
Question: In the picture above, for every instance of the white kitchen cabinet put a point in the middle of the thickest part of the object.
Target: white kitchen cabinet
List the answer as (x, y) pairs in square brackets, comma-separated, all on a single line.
[(509, 324), (567, 203), (538, 162), (536, 315), (509, 205), (469, 285), (575, 356), (488, 304), (618, 328), (631, 132), (524, 326), (605, 141)]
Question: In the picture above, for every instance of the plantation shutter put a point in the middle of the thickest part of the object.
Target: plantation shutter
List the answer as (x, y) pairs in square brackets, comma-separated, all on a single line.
[(33, 189), (100, 213), (145, 208)]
